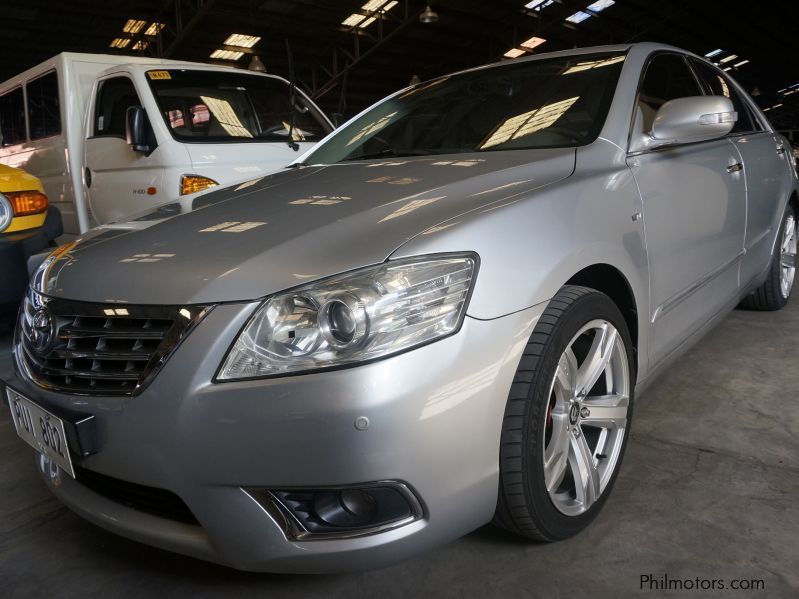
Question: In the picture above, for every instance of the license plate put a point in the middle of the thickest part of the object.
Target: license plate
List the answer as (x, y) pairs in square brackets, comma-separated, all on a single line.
[(40, 429)]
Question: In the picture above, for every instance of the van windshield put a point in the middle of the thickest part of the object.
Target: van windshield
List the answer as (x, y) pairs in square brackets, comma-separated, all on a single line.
[(217, 106), (548, 103)]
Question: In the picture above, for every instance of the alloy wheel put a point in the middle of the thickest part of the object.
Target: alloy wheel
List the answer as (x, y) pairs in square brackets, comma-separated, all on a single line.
[(586, 417), (788, 255)]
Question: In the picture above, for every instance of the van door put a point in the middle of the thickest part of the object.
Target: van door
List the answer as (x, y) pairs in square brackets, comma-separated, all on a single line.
[(694, 204), (119, 181)]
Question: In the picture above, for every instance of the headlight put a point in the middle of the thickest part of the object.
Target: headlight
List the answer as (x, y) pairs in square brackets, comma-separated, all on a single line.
[(359, 316), (6, 213)]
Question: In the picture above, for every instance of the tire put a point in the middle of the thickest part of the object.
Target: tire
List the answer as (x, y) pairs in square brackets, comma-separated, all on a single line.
[(774, 293), (536, 412)]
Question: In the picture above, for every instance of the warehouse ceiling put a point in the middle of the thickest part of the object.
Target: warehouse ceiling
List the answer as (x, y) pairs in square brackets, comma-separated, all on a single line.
[(347, 67)]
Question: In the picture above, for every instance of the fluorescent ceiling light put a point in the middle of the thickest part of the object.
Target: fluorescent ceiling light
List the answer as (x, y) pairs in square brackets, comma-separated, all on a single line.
[(532, 42), (727, 69), (740, 64), (766, 109), (226, 54), (601, 5), (154, 28), (359, 20), (578, 17), (513, 53), (241, 40), (352, 20), (374, 5), (120, 42), (777, 105), (141, 45), (728, 58), (713, 53), (133, 26), (537, 5)]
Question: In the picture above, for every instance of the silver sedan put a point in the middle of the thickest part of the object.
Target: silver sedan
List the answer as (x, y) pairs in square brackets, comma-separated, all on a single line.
[(438, 317)]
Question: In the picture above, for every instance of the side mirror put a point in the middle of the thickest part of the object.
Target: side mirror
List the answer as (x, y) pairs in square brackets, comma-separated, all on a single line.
[(136, 129), (692, 119)]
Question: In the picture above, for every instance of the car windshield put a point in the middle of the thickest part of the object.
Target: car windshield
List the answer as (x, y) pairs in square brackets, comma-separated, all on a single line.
[(549, 103), (217, 106)]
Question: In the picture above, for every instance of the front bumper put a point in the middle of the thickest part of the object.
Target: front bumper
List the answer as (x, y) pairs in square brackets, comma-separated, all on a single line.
[(434, 414)]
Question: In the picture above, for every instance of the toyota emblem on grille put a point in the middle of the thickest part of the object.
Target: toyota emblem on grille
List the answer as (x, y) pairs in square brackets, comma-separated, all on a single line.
[(42, 329)]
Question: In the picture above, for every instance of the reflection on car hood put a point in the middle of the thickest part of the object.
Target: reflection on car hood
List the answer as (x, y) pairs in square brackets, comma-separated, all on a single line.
[(263, 236)]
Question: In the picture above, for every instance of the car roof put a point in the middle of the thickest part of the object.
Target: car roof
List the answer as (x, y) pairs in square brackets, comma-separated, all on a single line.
[(639, 47)]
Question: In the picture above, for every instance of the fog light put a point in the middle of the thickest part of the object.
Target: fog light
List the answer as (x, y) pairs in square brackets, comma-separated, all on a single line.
[(349, 507), (343, 512)]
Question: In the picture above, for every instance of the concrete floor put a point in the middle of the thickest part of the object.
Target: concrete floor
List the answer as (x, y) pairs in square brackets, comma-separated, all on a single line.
[(709, 488)]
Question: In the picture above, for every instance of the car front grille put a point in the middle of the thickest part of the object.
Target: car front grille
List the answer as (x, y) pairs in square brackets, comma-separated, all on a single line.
[(98, 349), (158, 502)]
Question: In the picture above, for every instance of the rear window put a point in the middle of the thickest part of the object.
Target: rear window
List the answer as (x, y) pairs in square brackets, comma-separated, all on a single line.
[(44, 111), (12, 117)]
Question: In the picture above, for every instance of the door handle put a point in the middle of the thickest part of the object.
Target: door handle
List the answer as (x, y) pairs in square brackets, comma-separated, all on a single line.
[(88, 176), (781, 150), (734, 168)]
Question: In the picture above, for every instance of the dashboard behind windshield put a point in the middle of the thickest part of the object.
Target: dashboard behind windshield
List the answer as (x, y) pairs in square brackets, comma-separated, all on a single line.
[(549, 103)]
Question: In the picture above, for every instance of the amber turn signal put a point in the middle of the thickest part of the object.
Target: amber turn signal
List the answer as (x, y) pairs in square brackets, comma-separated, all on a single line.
[(194, 183), (26, 203)]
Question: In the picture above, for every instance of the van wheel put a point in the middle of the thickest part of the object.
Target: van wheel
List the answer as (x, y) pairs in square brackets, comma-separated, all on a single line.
[(567, 417), (774, 293)]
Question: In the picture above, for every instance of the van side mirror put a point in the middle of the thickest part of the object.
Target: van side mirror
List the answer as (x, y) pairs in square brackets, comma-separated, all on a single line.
[(137, 129)]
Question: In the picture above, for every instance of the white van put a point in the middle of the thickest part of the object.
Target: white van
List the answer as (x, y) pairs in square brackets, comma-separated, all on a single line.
[(110, 136)]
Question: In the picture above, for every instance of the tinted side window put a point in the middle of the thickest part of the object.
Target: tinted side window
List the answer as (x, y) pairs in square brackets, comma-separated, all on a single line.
[(12, 117), (113, 99), (667, 78), (718, 85), (44, 112)]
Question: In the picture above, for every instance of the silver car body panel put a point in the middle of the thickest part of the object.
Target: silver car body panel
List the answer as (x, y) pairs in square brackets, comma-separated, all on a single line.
[(296, 226), (207, 441), (689, 237)]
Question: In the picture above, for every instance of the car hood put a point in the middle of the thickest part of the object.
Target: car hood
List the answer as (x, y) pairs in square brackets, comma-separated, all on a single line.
[(305, 223)]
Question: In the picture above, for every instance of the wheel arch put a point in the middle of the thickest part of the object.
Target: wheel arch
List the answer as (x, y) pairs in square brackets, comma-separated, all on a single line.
[(611, 281), (793, 200)]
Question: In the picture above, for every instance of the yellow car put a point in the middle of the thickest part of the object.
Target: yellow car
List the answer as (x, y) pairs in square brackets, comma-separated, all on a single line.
[(28, 226)]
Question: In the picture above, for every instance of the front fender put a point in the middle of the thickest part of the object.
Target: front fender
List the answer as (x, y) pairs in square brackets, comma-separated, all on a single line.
[(530, 246)]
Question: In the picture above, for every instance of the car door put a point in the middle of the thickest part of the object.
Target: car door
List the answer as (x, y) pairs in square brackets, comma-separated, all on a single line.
[(118, 180), (694, 210), (766, 168)]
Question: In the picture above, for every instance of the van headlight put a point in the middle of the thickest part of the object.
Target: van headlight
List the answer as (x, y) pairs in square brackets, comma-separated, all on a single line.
[(360, 316)]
